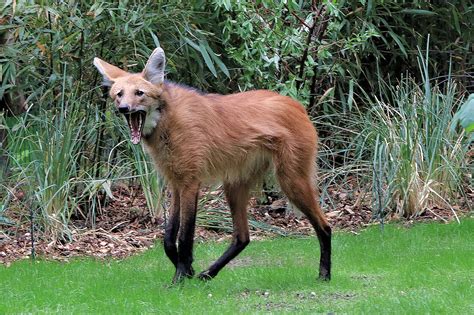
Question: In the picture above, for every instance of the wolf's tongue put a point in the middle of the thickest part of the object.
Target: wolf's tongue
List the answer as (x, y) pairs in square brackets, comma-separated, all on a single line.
[(135, 122)]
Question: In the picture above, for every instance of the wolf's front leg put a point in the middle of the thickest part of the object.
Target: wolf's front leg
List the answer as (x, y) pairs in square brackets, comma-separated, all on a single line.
[(172, 228), (188, 204)]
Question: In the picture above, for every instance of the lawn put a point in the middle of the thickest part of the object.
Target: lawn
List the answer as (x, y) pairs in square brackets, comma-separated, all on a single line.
[(427, 268)]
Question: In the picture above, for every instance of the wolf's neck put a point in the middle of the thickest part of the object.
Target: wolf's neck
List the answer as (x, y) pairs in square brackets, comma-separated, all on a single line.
[(151, 121), (173, 94)]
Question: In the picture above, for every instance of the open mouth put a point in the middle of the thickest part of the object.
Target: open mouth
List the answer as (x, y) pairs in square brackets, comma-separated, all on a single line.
[(136, 121)]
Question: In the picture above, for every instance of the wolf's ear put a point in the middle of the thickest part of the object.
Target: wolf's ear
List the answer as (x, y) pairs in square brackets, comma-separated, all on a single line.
[(154, 71), (108, 71)]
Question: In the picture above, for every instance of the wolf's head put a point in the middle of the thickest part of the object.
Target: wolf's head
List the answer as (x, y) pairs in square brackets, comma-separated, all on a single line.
[(137, 95)]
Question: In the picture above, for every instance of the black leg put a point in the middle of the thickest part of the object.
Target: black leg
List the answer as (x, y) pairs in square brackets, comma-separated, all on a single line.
[(234, 249), (303, 196), (324, 236), (172, 228), (188, 204), (237, 196)]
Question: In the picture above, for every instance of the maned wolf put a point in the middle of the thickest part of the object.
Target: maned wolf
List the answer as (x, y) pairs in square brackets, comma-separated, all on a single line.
[(197, 138)]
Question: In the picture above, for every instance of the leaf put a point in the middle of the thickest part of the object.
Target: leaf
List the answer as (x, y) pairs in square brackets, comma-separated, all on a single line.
[(205, 55), (17, 127), (207, 58), (5, 221), (465, 115), (3, 208), (107, 187), (155, 39), (218, 61), (397, 39), (191, 43), (350, 97), (369, 7), (456, 21), (227, 5), (325, 95), (98, 11), (95, 185), (7, 27), (221, 65), (293, 5), (418, 12), (4, 89), (53, 11)]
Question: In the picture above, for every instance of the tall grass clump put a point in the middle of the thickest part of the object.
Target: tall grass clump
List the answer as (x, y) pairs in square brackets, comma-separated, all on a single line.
[(44, 160), (417, 161)]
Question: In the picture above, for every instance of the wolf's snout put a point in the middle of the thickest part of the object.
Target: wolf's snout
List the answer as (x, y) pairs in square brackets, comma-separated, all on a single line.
[(123, 108)]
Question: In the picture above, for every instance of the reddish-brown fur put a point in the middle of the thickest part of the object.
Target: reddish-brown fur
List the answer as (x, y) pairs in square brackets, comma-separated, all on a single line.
[(233, 139)]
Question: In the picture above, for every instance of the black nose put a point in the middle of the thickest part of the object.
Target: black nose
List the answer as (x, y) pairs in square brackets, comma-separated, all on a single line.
[(123, 109)]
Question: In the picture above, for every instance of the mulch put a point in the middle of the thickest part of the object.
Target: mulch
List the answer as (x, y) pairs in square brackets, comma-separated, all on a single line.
[(124, 227)]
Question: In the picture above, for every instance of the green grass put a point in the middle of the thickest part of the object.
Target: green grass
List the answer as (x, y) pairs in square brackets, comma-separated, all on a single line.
[(428, 268)]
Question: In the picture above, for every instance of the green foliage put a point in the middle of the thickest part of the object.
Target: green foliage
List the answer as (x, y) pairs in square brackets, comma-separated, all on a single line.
[(3, 209), (309, 50), (417, 162), (45, 156), (465, 115), (68, 150)]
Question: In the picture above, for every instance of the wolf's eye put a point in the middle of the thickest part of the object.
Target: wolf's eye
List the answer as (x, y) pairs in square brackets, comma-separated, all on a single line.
[(139, 93), (119, 94)]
